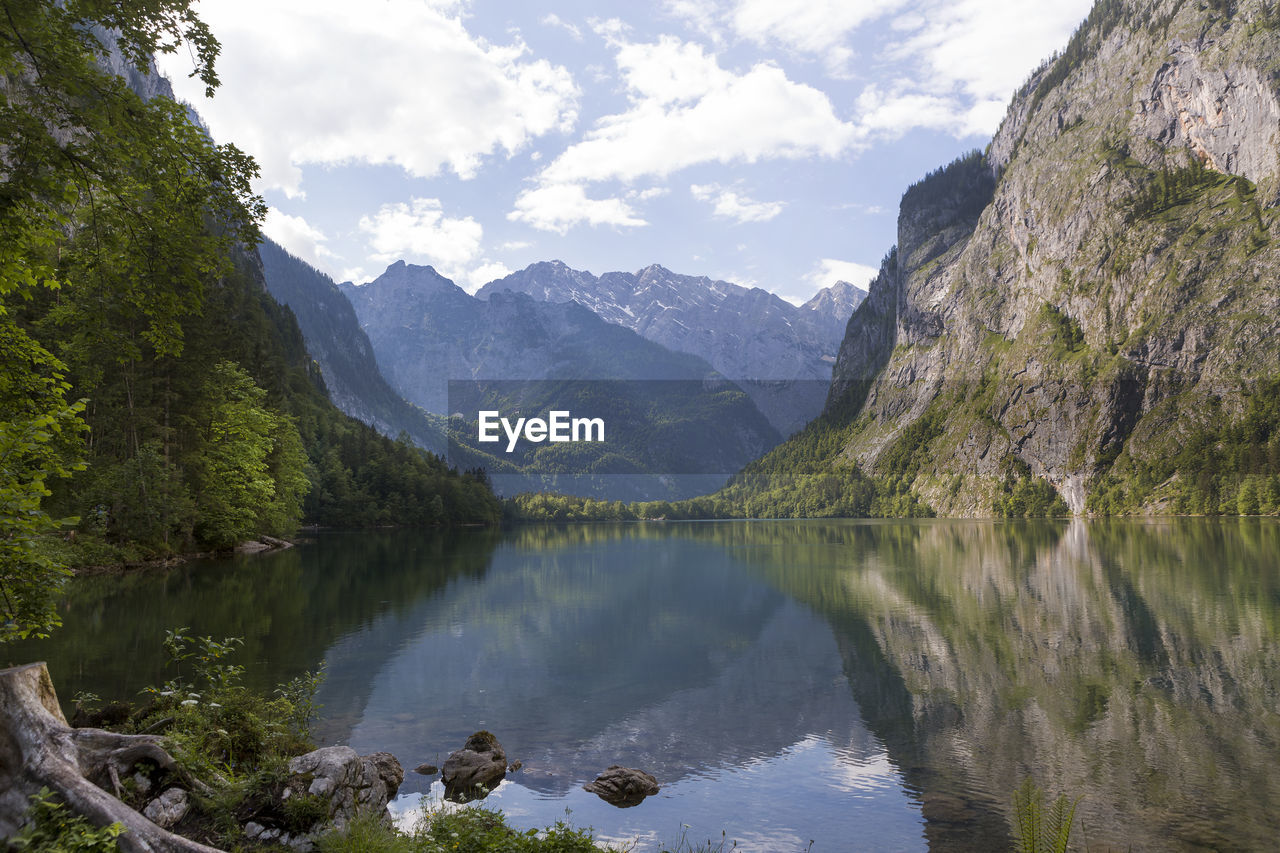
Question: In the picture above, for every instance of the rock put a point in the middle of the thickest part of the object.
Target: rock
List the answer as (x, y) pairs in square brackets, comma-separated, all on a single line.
[(426, 769), (352, 784), (168, 808), (472, 772), (622, 786), (515, 765)]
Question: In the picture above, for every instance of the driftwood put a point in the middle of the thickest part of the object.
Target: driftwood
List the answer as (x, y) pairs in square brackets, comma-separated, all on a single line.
[(38, 749)]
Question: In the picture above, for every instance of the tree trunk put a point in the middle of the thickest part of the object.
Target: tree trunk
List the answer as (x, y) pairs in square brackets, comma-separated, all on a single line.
[(38, 749)]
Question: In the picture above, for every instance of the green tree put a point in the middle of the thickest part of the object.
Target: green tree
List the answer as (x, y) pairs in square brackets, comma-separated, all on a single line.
[(107, 194), (249, 471)]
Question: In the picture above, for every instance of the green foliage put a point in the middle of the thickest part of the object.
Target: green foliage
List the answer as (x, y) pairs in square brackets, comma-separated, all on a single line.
[(1215, 464), (249, 474), (38, 442), (960, 190), (801, 478), (468, 830), (55, 829), (214, 725), (1170, 188), (1036, 830), (1026, 496), (1065, 332)]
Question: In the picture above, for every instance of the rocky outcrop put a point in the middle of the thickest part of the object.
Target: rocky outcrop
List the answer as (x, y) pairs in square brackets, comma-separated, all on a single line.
[(351, 783), (1228, 118), (472, 772), (622, 786)]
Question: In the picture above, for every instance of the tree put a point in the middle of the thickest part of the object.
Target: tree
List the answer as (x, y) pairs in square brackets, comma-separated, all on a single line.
[(115, 196), (38, 442)]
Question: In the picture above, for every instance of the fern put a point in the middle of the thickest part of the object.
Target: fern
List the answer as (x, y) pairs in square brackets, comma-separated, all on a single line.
[(1039, 831)]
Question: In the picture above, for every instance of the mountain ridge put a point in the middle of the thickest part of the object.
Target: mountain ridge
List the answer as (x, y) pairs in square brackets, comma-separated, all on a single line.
[(746, 333)]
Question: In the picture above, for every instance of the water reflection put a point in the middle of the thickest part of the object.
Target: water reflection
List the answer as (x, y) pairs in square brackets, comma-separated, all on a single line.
[(880, 681)]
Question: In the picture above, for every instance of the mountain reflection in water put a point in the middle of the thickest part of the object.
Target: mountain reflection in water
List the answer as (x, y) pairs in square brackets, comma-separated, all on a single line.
[(869, 685)]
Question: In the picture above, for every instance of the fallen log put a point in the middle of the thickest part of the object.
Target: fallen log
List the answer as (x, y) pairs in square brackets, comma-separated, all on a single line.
[(39, 749)]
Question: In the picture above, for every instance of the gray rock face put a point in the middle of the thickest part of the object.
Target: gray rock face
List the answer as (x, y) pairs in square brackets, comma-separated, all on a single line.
[(167, 809), (622, 786), (1228, 117), (472, 772)]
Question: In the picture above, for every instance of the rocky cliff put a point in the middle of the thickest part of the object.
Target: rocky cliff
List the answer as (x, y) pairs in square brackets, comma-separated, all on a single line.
[(1093, 302)]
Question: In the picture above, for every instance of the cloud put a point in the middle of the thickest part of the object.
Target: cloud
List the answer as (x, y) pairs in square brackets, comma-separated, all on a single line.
[(984, 48), (730, 205), (398, 82), (829, 270), (818, 27), (558, 207), (420, 231), (485, 273), (683, 110), (299, 237), (554, 20)]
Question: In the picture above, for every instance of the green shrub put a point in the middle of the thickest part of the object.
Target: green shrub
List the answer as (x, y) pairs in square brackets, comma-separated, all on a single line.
[(55, 829)]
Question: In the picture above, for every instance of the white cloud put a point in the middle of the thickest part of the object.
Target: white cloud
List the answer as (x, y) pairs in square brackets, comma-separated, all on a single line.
[(702, 16), (558, 207), (646, 194), (420, 231), (730, 205), (485, 273), (819, 27), (554, 20), (985, 48), (302, 239), (685, 110), (399, 82), (829, 270)]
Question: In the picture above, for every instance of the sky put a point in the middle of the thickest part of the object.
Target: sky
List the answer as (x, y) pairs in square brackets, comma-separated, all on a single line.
[(763, 142)]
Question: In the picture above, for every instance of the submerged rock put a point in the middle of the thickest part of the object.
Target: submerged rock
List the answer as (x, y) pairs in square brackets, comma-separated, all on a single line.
[(472, 772), (622, 786), (426, 769)]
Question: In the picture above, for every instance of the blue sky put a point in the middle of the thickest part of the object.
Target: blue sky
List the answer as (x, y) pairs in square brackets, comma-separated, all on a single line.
[(765, 142)]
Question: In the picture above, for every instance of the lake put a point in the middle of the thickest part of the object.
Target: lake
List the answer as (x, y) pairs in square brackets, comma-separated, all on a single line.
[(867, 685)]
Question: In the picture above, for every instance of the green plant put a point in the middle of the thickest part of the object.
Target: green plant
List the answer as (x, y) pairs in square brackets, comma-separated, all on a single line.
[(55, 829), (1037, 830)]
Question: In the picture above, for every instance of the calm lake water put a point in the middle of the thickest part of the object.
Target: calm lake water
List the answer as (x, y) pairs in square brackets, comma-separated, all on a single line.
[(866, 685)]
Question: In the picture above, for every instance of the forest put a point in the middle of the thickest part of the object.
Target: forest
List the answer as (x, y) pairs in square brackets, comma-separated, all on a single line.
[(154, 399)]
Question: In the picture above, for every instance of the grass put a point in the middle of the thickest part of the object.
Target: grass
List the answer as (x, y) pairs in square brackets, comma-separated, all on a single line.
[(476, 829)]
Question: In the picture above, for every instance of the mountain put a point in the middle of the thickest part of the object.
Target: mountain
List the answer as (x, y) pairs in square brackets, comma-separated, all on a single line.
[(342, 350), (1088, 313), (452, 353), (780, 353)]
